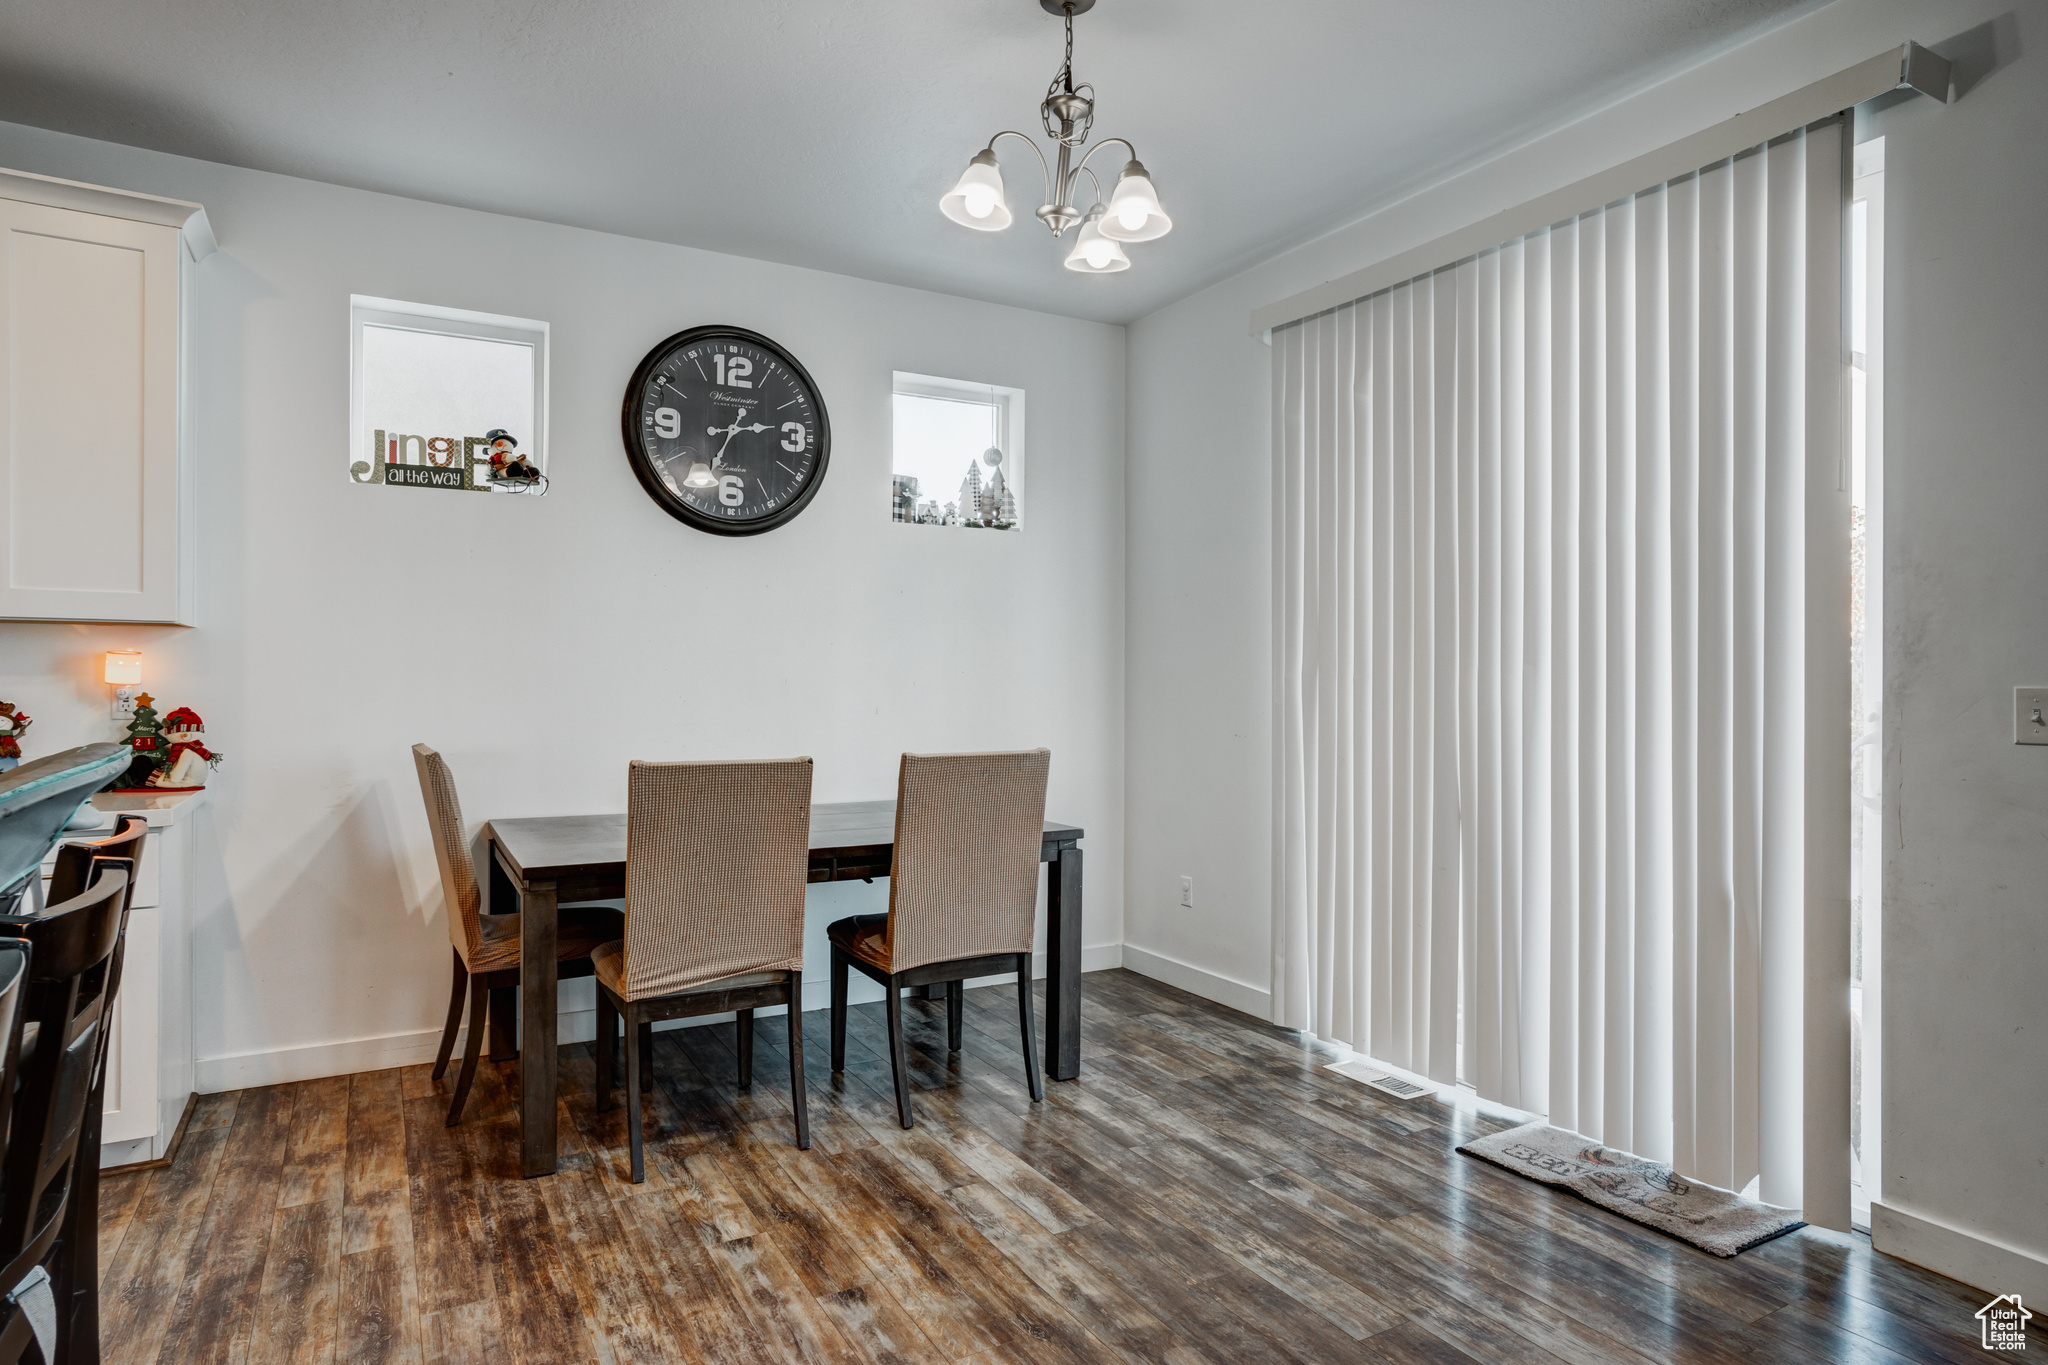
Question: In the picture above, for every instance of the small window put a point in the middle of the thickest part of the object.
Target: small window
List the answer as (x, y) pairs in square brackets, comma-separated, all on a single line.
[(959, 454), (444, 398)]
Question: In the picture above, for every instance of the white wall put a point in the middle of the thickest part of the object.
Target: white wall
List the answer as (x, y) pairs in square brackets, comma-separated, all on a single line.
[(542, 643), (1966, 938)]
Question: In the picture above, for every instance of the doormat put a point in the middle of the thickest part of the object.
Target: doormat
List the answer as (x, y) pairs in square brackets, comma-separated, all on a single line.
[(1379, 1080), (1642, 1191)]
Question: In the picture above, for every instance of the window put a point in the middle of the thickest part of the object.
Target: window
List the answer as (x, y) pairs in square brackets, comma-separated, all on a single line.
[(444, 398), (959, 454)]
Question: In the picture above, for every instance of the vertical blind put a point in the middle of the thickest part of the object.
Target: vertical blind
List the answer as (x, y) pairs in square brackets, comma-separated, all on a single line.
[(1561, 632)]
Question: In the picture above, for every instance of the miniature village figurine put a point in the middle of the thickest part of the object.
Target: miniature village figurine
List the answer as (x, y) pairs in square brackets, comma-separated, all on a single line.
[(13, 724), (186, 757)]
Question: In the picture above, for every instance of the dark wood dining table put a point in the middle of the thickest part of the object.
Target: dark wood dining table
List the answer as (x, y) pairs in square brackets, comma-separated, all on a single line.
[(541, 863)]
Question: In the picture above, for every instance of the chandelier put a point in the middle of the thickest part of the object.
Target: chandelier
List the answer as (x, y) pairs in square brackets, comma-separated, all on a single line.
[(1132, 214)]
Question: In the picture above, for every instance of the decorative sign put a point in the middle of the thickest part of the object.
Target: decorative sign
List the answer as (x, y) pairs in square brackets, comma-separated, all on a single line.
[(490, 463)]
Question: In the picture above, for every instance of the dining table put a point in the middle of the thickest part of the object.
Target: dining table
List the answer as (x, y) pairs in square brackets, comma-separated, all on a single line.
[(541, 863)]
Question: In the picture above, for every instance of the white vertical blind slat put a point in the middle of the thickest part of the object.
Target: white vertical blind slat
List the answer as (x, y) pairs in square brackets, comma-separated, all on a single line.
[(1447, 696), (1546, 534)]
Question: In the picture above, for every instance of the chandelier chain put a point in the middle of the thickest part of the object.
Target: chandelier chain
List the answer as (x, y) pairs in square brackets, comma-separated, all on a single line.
[(1056, 113)]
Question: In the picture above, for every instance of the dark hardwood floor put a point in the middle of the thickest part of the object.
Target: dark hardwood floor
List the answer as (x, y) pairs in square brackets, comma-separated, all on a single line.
[(1205, 1193)]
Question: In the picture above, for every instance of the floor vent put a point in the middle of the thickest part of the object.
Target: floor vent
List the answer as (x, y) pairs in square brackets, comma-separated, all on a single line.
[(1380, 1080)]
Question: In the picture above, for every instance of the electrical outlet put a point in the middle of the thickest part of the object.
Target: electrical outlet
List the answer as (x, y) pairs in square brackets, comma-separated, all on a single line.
[(1187, 892), (2030, 715)]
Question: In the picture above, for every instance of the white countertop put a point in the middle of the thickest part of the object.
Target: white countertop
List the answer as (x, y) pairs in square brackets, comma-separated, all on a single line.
[(159, 808)]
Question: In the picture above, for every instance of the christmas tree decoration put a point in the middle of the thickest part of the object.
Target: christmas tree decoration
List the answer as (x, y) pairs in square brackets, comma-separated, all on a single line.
[(146, 741), (187, 760), (13, 724)]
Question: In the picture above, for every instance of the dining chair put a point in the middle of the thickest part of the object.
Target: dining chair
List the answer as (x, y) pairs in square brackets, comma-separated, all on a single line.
[(963, 896), (487, 946), (717, 855)]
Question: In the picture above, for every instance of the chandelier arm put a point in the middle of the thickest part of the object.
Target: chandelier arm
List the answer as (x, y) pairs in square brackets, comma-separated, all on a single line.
[(1099, 146), (1091, 180), (1044, 171)]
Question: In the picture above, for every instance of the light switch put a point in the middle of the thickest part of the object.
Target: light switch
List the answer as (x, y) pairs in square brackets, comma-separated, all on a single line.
[(1187, 892), (2030, 715)]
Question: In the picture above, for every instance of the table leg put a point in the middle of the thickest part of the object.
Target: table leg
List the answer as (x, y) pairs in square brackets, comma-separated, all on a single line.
[(1063, 966), (537, 930)]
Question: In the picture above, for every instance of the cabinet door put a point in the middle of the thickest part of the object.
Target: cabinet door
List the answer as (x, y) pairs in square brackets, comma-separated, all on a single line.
[(131, 1107), (89, 515)]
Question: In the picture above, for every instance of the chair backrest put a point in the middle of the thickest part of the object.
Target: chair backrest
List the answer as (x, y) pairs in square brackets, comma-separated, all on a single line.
[(451, 850), (75, 858), (74, 944), (965, 877), (79, 864), (15, 955), (717, 855)]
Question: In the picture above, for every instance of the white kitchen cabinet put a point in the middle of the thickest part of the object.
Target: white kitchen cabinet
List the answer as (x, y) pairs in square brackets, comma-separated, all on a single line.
[(96, 475), (149, 1056)]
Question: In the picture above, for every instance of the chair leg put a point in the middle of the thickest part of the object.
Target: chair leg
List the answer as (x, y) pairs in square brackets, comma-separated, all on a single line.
[(956, 1010), (746, 1029), (838, 1011), (1024, 1017), (796, 1061), (455, 997), (636, 1061), (505, 1024), (607, 1041), (898, 1063), (472, 1048), (647, 1058)]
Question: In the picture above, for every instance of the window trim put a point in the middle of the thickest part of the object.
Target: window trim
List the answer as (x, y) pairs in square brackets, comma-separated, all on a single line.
[(399, 314), (1009, 405)]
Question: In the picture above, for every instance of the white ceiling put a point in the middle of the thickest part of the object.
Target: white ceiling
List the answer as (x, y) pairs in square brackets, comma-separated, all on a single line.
[(822, 132)]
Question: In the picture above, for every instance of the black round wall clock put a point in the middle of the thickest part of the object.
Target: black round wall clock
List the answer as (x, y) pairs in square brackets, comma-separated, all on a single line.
[(726, 431)]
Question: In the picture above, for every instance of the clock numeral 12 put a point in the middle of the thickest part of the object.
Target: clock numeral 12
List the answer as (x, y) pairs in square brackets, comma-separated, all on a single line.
[(733, 370)]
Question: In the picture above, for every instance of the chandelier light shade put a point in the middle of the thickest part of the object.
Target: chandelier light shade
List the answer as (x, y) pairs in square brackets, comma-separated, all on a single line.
[(1134, 213), (700, 476), (1068, 114), (1096, 253), (977, 201)]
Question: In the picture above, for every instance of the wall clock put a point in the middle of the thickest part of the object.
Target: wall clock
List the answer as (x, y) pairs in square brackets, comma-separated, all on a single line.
[(726, 431)]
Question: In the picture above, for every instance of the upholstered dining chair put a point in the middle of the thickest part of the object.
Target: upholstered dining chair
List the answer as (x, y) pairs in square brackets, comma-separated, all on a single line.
[(963, 896), (717, 854), (487, 946)]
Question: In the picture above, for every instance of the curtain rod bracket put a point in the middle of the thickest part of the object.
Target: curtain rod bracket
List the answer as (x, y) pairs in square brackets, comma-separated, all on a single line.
[(1924, 70)]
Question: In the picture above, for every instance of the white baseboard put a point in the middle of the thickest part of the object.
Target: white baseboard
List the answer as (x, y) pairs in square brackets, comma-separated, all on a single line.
[(1976, 1260), (311, 1061), (1224, 990)]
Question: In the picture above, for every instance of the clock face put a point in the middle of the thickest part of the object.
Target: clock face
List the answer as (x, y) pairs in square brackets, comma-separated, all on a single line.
[(726, 431)]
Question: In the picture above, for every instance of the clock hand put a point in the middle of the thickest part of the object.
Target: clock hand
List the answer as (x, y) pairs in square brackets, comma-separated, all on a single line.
[(713, 431)]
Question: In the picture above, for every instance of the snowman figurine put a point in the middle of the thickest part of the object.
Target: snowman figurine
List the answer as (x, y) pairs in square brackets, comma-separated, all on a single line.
[(507, 464), (188, 759)]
